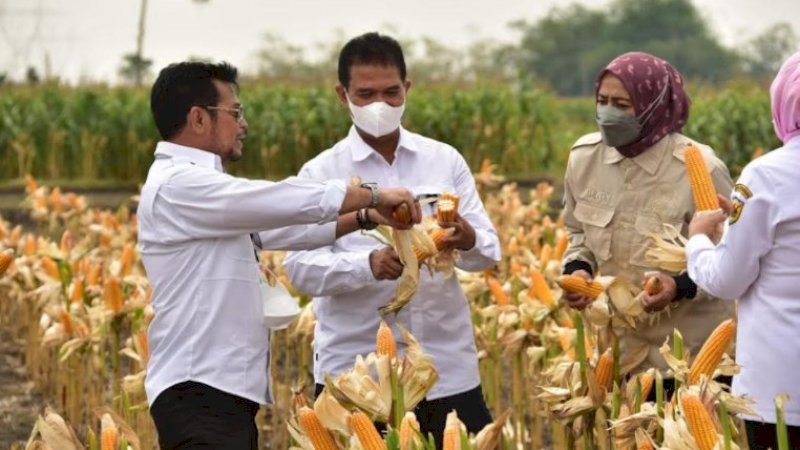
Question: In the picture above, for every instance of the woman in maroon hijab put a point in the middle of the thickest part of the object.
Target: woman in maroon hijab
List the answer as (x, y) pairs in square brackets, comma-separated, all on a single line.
[(623, 183)]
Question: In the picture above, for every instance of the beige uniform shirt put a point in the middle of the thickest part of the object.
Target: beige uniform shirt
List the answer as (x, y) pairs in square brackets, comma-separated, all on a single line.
[(613, 202)]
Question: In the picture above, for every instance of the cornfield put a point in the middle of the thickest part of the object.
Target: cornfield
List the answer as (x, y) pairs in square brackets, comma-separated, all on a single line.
[(107, 134)]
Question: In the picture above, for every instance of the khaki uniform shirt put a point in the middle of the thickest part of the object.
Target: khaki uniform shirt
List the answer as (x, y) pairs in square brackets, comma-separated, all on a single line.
[(612, 203)]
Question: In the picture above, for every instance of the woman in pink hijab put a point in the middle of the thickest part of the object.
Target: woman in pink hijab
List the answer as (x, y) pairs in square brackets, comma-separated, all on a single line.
[(758, 262)]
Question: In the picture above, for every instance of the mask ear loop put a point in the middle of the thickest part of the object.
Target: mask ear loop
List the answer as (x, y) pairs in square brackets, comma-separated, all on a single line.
[(647, 114)]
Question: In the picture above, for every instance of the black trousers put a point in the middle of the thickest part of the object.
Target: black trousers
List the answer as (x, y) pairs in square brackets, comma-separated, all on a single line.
[(432, 414), (763, 436), (193, 415)]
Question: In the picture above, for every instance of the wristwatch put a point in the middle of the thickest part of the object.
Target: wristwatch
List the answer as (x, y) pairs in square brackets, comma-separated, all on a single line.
[(373, 187), (362, 217)]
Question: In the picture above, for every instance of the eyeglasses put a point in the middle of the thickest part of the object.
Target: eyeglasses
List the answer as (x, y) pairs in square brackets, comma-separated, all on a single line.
[(237, 113)]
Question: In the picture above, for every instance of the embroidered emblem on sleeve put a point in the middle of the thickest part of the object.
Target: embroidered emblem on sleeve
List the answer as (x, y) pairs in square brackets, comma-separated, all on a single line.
[(740, 195)]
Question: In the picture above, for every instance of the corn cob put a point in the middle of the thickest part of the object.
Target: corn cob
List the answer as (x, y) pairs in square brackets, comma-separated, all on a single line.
[(402, 214), (112, 294), (409, 428), (653, 286), (710, 354), (365, 431), (50, 268), (700, 423), (642, 441), (705, 195), (6, 258), (446, 210), (452, 433), (561, 246), (142, 346), (126, 260), (385, 344), (499, 295), (320, 437), (646, 381), (109, 434), (576, 284), (604, 369), (545, 255), (451, 197), (93, 277), (438, 235), (66, 242), (76, 293), (56, 200), (539, 288), (30, 245)]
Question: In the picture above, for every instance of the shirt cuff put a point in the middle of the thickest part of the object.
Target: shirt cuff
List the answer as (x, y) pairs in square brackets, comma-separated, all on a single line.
[(576, 265), (684, 287), (697, 243), (332, 199)]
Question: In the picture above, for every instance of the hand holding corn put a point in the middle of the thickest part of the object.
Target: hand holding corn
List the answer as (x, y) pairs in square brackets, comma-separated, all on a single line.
[(577, 300), (390, 199), (653, 301), (707, 222), (463, 237)]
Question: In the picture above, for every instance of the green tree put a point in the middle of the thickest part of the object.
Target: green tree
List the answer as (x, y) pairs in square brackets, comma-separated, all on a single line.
[(765, 53), (570, 45)]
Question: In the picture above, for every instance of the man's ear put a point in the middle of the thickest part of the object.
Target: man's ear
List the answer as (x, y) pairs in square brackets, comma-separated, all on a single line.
[(407, 84), (197, 119), (340, 92)]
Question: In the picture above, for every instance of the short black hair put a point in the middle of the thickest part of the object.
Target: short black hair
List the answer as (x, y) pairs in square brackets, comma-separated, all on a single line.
[(180, 86), (370, 48)]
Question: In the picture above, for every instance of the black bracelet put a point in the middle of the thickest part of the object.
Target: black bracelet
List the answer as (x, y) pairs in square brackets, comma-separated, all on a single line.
[(362, 217)]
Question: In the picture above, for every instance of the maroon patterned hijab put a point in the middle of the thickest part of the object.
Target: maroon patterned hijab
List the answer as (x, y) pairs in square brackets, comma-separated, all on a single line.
[(644, 75)]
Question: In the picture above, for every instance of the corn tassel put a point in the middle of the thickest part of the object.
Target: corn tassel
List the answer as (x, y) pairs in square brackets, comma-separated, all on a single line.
[(540, 289), (604, 369), (385, 344), (700, 423), (710, 354), (109, 434), (578, 285), (365, 431), (320, 437), (705, 195)]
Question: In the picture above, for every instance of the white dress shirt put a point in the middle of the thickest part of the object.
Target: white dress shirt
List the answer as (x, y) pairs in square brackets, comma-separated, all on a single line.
[(194, 225), (758, 262), (347, 296)]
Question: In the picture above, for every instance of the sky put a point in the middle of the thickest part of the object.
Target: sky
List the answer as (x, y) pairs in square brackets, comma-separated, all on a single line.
[(85, 39)]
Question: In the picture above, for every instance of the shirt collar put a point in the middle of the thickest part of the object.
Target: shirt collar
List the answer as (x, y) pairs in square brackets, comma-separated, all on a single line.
[(190, 154), (649, 160), (361, 150)]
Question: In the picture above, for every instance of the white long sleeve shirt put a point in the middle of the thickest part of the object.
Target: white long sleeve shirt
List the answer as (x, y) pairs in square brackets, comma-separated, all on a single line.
[(347, 296), (758, 262), (194, 225)]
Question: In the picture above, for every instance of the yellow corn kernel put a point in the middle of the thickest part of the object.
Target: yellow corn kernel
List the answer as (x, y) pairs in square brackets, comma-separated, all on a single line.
[(540, 289), (576, 284), (365, 431), (109, 434), (710, 354), (499, 295), (385, 344), (452, 433), (705, 195), (699, 420), (409, 427), (604, 369), (320, 437), (6, 258)]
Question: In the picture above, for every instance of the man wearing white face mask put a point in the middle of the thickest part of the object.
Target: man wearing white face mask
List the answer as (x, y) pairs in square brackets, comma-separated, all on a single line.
[(353, 278)]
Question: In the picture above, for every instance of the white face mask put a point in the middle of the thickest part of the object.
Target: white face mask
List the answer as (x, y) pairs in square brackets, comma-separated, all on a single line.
[(378, 118)]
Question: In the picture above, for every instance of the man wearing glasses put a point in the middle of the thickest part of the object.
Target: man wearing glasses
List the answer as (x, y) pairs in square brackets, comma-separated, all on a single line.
[(208, 367)]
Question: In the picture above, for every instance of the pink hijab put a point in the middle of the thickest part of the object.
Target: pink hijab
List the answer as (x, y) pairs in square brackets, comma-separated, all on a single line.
[(785, 95), (643, 76)]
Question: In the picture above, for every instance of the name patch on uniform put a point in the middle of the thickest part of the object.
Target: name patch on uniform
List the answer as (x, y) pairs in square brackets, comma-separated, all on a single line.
[(740, 195)]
